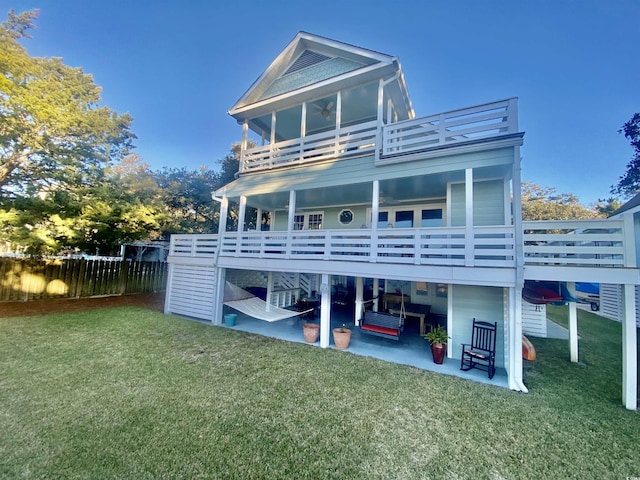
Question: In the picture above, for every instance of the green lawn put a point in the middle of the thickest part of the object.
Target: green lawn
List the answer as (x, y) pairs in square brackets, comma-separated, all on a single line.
[(131, 393)]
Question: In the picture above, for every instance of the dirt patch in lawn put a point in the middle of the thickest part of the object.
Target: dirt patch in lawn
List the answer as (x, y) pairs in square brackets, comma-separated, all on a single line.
[(153, 301)]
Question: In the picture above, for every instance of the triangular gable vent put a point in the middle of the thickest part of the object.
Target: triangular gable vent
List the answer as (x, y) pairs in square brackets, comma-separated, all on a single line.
[(307, 59)]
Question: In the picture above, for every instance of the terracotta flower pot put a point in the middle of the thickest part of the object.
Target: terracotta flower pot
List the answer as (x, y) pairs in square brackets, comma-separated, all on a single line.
[(311, 332), (437, 351), (341, 337)]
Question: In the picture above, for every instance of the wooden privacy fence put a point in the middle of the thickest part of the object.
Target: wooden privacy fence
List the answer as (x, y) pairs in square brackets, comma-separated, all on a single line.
[(26, 279)]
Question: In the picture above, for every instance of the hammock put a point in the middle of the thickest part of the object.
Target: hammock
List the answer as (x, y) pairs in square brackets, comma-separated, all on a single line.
[(247, 303)]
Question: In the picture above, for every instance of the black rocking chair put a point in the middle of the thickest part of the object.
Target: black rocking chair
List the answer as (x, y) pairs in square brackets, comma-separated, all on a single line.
[(481, 352)]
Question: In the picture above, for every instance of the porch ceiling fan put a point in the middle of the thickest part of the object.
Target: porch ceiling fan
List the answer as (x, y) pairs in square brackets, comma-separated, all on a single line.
[(325, 110)]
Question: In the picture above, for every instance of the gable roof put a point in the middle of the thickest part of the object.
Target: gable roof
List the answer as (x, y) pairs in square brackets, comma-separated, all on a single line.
[(311, 66)]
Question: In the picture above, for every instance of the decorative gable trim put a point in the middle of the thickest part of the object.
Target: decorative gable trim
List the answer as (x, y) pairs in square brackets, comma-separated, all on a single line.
[(307, 59), (317, 61)]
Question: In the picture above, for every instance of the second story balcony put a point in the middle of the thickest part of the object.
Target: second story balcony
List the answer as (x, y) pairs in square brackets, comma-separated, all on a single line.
[(423, 136)]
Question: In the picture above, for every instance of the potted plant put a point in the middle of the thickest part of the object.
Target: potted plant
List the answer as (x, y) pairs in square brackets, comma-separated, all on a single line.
[(311, 332), (342, 337), (438, 338)]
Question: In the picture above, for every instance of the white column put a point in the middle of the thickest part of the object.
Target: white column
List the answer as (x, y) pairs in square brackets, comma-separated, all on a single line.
[(375, 209), (222, 225), (325, 311), (468, 197), (242, 212), (514, 332), (290, 220), (359, 299), (573, 331), (629, 349), (218, 307), (380, 113), (449, 318), (292, 210), (259, 219), (269, 290), (243, 144), (376, 291)]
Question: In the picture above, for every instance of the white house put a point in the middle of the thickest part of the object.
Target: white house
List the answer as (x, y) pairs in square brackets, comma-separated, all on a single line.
[(351, 188)]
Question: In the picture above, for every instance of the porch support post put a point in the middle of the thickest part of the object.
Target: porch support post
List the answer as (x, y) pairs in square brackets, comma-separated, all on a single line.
[(243, 145), (514, 332), (629, 349), (222, 225), (469, 241), (269, 290), (375, 209), (218, 307), (573, 332), (449, 318), (359, 299), (376, 292), (259, 219), (325, 311), (242, 211), (379, 138), (290, 220)]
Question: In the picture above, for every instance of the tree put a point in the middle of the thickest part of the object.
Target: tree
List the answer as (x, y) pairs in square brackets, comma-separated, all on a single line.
[(543, 203), (53, 130), (186, 196), (629, 183)]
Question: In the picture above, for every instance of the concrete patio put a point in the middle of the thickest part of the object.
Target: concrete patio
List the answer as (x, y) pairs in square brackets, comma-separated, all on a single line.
[(411, 349)]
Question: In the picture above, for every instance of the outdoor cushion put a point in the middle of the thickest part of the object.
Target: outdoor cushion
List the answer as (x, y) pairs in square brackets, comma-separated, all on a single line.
[(378, 329)]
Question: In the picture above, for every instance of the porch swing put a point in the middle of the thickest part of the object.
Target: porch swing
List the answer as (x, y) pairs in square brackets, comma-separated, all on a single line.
[(381, 324)]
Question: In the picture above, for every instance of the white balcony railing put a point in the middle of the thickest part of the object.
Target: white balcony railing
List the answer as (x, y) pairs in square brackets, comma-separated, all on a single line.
[(590, 243), (489, 246), (593, 243), (337, 143), (449, 128), (442, 129)]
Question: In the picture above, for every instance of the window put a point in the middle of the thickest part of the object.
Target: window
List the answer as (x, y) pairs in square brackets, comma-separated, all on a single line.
[(383, 219), (307, 221), (345, 217), (431, 218), (404, 219)]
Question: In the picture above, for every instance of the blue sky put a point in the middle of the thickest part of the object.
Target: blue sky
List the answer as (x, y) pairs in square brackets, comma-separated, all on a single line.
[(177, 67)]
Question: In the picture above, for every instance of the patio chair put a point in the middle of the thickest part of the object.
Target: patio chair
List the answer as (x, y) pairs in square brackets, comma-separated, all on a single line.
[(481, 352)]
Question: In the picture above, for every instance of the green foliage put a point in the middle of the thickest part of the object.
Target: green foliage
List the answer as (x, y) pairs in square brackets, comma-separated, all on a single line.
[(608, 206), (629, 183), (186, 196), (53, 130), (543, 203), (437, 335)]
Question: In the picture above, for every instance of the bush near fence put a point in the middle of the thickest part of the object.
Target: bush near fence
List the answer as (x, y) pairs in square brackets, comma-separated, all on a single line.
[(27, 279)]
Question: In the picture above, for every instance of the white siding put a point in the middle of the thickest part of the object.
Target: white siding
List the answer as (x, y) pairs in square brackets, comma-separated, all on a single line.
[(611, 302), (191, 291), (534, 319), (481, 303)]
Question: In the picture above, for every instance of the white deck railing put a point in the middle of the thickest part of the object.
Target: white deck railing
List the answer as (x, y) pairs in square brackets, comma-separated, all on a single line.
[(585, 243), (442, 129), (593, 243), (449, 128), (345, 141), (489, 246)]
